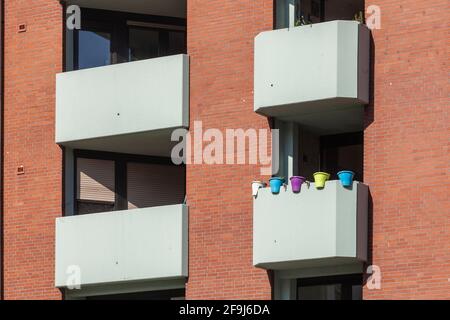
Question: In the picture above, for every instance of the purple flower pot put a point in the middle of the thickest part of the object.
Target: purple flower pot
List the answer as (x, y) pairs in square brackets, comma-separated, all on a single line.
[(296, 183)]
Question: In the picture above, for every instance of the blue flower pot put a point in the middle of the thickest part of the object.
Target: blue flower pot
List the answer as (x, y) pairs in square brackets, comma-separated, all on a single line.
[(346, 178), (275, 184)]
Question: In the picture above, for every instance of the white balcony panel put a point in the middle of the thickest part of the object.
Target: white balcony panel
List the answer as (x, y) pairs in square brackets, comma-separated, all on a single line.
[(130, 107), (149, 244), (314, 228)]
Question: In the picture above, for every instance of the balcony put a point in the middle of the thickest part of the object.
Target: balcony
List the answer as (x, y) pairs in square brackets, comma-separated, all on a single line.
[(130, 107), (314, 228), (123, 246), (316, 75)]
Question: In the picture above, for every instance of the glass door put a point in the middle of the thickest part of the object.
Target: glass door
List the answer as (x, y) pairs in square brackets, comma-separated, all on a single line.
[(93, 45)]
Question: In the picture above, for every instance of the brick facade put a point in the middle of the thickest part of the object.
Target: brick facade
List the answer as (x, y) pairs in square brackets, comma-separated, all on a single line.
[(31, 201), (406, 155), (405, 149), (220, 46)]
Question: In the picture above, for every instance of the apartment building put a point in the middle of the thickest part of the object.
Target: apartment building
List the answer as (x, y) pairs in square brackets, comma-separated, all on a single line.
[(95, 207)]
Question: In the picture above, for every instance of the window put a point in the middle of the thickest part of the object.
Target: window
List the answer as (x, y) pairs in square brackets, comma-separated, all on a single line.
[(330, 153), (150, 185), (93, 45), (151, 42), (175, 294), (95, 185), (342, 152), (144, 43), (107, 182), (314, 11), (346, 287), (108, 37)]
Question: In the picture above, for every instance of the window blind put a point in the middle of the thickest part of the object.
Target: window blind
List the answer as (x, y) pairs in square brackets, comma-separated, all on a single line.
[(150, 185), (95, 180)]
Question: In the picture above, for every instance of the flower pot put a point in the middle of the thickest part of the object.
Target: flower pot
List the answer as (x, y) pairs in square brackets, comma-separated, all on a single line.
[(346, 178), (320, 178), (256, 185), (275, 184), (296, 183)]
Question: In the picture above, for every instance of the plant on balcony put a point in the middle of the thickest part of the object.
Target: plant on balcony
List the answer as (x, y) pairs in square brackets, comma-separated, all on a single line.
[(296, 183), (302, 21), (256, 185), (275, 184), (346, 178), (320, 178), (359, 16)]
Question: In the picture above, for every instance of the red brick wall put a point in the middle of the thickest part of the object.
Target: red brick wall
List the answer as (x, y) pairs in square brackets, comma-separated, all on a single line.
[(407, 151), (220, 45), (33, 200)]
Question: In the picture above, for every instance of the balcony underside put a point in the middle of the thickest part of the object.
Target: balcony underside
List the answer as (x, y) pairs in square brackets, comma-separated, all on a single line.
[(316, 75), (312, 263), (323, 117), (153, 143)]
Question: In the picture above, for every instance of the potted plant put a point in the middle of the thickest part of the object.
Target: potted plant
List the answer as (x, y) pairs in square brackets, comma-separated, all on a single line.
[(359, 16), (320, 178), (296, 183), (302, 21), (346, 177), (275, 184)]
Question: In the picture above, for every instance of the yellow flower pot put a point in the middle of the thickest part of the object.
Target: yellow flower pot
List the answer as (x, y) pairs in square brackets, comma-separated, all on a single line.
[(320, 178)]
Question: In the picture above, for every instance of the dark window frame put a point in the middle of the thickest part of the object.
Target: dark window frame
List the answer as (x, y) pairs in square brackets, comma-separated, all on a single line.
[(120, 173), (119, 24), (346, 281), (298, 11), (146, 295)]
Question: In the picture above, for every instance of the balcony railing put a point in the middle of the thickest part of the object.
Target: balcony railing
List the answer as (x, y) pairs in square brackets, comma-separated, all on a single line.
[(130, 107), (122, 246), (316, 75), (314, 228)]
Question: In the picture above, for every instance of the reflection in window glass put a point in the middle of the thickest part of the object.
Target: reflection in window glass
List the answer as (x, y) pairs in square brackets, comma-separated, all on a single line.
[(111, 38), (177, 42), (325, 292), (173, 294), (94, 49), (315, 11), (345, 287), (143, 44)]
